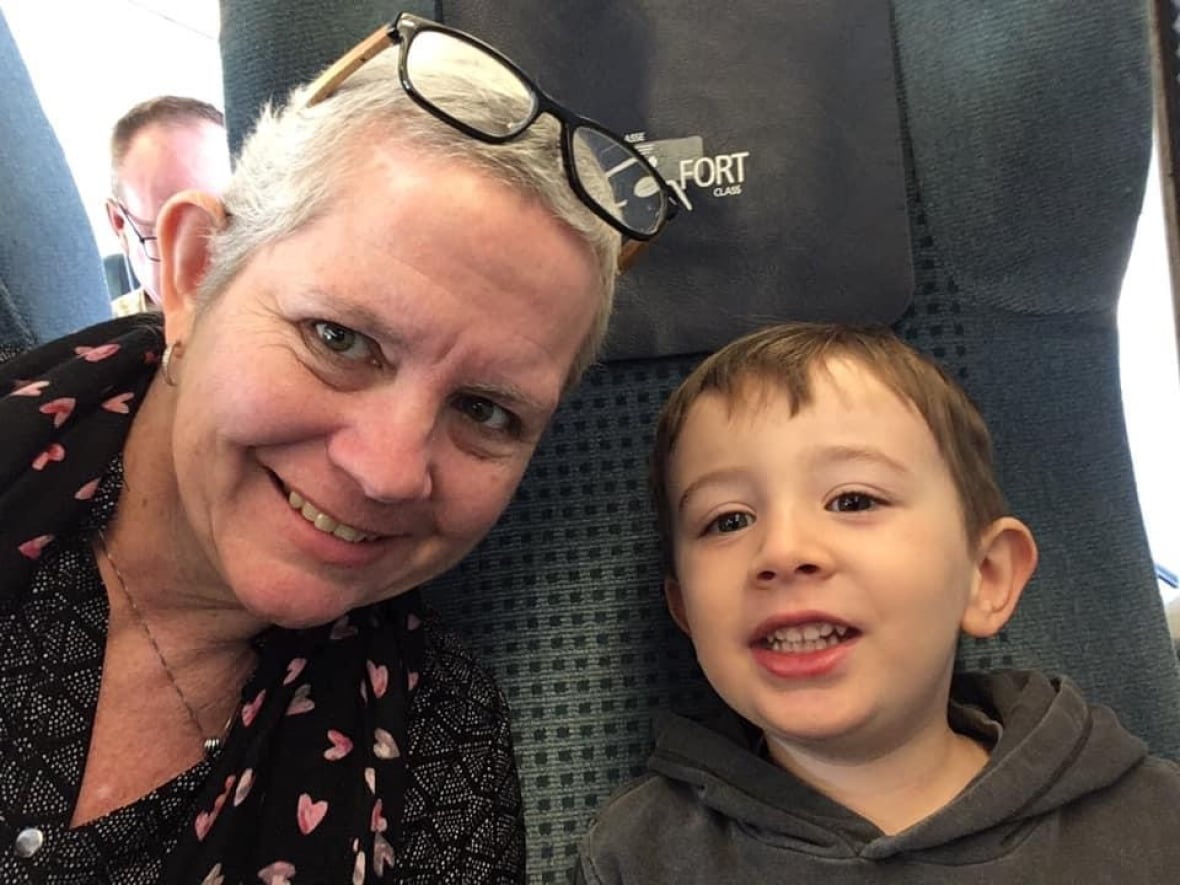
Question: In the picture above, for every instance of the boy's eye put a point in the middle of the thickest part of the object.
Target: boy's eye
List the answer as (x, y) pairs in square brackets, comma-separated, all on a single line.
[(852, 502), (342, 340), (487, 414), (730, 522)]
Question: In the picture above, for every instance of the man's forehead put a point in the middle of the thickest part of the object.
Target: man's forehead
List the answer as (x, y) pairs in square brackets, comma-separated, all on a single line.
[(163, 159)]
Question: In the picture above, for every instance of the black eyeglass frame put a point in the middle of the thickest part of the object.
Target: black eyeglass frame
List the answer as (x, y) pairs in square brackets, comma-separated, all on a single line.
[(143, 240), (407, 26)]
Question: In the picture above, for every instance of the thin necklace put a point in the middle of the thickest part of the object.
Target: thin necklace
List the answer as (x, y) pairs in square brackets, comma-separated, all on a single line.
[(210, 744)]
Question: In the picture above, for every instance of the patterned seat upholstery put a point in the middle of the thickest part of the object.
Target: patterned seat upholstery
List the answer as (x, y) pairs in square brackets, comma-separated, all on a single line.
[(51, 279), (1028, 131)]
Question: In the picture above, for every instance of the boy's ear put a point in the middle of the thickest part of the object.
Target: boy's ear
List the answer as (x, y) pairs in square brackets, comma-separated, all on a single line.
[(675, 600), (1006, 557), (184, 226)]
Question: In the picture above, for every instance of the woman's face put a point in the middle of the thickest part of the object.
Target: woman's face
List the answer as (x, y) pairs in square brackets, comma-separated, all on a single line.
[(354, 411)]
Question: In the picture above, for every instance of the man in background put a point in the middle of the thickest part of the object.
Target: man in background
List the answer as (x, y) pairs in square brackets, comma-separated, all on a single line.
[(159, 147)]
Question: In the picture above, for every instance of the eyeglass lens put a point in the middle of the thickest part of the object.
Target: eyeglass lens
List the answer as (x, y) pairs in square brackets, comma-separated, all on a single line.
[(607, 169), (477, 90)]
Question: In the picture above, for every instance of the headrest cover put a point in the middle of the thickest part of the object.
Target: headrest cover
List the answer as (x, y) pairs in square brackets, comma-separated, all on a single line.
[(776, 121)]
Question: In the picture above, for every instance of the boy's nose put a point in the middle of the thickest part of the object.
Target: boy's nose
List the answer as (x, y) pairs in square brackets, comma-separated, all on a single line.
[(792, 548), (386, 448)]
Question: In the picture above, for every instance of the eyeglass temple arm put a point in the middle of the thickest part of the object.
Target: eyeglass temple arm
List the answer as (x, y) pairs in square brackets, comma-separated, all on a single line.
[(327, 82), (632, 249), (630, 252)]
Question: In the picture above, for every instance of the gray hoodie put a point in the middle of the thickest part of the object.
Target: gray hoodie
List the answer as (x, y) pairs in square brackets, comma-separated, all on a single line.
[(1068, 796)]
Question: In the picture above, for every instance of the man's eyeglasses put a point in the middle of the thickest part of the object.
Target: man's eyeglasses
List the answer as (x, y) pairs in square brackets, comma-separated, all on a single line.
[(609, 175), (150, 243)]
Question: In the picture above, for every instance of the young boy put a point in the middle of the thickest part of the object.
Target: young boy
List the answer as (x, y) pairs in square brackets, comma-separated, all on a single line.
[(831, 523)]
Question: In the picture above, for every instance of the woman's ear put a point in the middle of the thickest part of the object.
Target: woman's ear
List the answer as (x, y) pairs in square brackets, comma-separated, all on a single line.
[(675, 599), (1005, 560), (184, 227)]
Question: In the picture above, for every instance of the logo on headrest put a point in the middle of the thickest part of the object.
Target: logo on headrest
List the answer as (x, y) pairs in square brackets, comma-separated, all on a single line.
[(684, 165)]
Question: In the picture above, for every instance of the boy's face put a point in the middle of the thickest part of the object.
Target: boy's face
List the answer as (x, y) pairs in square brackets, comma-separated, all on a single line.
[(822, 563)]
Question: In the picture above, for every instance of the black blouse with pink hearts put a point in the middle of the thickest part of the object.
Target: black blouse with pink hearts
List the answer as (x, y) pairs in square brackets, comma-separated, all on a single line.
[(370, 750)]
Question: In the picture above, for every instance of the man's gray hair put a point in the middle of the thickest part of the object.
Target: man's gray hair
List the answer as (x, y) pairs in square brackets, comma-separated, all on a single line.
[(163, 110), (289, 169)]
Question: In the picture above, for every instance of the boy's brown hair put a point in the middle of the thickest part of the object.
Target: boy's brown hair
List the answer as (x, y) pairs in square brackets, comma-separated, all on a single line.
[(785, 357)]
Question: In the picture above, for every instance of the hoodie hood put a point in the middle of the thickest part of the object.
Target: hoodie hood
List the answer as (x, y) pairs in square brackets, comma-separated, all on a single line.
[(1053, 749)]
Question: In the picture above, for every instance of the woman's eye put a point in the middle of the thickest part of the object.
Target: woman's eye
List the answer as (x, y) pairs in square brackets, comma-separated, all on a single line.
[(730, 522), (852, 502), (488, 414), (343, 340)]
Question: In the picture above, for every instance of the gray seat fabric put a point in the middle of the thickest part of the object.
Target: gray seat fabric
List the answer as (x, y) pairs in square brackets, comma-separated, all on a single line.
[(51, 280), (270, 46), (120, 279), (564, 597), (1028, 134)]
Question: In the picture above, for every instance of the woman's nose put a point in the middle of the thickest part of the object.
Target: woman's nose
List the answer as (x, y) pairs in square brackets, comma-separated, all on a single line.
[(386, 447)]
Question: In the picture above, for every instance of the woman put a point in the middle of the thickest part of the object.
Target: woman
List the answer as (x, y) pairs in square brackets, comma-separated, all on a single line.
[(214, 667)]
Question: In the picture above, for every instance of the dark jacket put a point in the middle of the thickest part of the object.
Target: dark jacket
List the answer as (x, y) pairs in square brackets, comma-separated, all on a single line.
[(1068, 796)]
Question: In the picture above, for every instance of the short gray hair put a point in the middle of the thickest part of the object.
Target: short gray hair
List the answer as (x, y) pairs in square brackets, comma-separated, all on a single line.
[(284, 177)]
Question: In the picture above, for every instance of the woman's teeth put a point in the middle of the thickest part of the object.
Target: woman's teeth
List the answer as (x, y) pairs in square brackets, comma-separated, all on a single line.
[(324, 522)]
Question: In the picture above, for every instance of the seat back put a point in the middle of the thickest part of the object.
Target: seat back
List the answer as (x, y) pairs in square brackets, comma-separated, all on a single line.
[(119, 276), (1027, 130), (51, 280), (1021, 213)]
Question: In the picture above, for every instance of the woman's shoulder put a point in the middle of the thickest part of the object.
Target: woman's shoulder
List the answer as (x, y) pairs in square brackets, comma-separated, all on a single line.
[(463, 804), (454, 678)]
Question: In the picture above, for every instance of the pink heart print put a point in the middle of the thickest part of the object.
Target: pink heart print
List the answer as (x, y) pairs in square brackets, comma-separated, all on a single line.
[(118, 404), (87, 491), (33, 388), (377, 821), (54, 452), (309, 813), (250, 710), (341, 746), (32, 548), (205, 819), (301, 702), (203, 824), (384, 746), (96, 354), (382, 855), (245, 782), (294, 668), (342, 629), (60, 408), (379, 677), (278, 873)]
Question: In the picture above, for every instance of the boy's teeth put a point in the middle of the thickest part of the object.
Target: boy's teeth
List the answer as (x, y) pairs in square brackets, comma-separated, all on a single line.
[(800, 638), (324, 522)]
